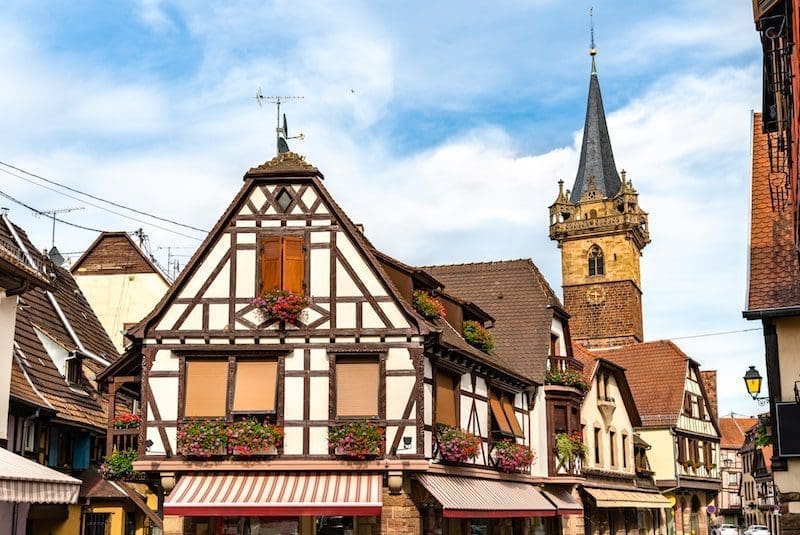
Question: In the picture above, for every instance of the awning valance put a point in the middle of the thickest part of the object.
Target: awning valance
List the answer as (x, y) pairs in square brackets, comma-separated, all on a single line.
[(608, 498), (563, 500), (467, 497), (24, 481), (276, 494)]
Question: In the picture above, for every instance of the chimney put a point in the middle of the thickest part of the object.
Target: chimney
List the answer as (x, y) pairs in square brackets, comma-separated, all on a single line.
[(709, 378)]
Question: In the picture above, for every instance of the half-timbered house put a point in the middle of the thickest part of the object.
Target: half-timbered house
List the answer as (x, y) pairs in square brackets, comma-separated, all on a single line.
[(210, 358)]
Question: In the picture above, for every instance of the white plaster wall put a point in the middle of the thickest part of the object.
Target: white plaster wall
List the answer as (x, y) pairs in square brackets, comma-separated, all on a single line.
[(206, 267), (558, 328), (662, 452), (620, 424), (398, 390), (8, 315), (539, 434)]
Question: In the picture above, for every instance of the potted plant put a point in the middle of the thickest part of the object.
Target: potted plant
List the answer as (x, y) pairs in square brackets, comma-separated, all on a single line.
[(512, 457), (764, 430), (570, 447), (565, 378), (282, 305), (686, 464), (203, 438), (478, 336), (457, 445), (357, 440), (250, 437), (127, 420), (427, 305), (119, 465)]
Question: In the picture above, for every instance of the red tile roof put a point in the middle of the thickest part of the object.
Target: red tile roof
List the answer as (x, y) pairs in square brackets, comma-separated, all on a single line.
[(774, 270), (733, 431), (656, 372), (516, 294)]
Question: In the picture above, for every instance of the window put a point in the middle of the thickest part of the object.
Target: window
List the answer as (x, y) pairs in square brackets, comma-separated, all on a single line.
[(447, 398), (612, 442), (282, 263), (701, 409), (357, 387), (597, 446), (503, 417), (687, 404), (554, 345), (28, 436), (284, 199), (96, 524), (624, 451), (73, 370), (206, 386), (508, 409), (708, 455), (130, 523), (596, 266)]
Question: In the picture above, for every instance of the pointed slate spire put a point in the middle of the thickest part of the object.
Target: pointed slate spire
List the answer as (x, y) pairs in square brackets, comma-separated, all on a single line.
[(597, 158)]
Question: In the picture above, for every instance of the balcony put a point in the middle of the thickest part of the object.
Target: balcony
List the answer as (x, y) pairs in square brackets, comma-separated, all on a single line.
[(125, 439)]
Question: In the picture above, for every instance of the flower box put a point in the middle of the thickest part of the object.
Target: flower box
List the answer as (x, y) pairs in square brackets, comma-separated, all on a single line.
[(566, 378), (242, 438), (427, 305), (119, 465), (282, 305), (127, 420), (238, 451), (357, 440), (457, 445), (478, 336), (249, 438), (512, 457)]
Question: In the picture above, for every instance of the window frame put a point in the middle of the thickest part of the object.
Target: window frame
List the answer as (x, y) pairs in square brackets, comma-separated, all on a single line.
[(380, 358), (261, 237), (596, 261), (274, 416), (92, 530), (495, 426), (437, 370)]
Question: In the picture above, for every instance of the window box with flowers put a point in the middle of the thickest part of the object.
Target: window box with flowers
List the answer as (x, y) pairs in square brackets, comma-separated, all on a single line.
[(127, 420), (570, 447), (457, 445), (203, 438), (357, 440), (119, 465), (512, 457), (249, 438), (565, 378), (478, 336), (282, 305), (427, 305)]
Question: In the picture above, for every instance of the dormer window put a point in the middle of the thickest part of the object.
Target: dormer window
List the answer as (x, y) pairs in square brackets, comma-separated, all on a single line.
[(282, 264), (73, 370), (596, 266)]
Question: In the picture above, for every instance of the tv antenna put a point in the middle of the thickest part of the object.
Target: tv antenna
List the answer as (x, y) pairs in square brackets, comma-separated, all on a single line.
[(52, 214), (281, 131)]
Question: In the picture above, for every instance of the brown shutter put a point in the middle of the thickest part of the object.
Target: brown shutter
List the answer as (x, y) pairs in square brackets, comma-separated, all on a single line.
[(294, 263), (508, 409), (357, 388), (270, 263), (499, 415), (255, 386), (206, 388), (447, 397)]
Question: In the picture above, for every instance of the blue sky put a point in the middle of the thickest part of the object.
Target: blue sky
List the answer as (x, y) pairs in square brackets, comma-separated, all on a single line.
[(441, 126)]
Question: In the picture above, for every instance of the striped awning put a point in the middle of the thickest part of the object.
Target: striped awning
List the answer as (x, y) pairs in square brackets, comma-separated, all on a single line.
[(276, 494), (24, 481), (610, 498), (468, 497)]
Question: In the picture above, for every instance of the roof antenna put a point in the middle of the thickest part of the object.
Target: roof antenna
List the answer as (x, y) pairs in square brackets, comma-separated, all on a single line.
[(52, 214), (281, 131), (592, 49)]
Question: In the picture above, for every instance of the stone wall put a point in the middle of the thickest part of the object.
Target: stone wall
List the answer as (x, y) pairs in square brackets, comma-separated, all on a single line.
[(399, 515)]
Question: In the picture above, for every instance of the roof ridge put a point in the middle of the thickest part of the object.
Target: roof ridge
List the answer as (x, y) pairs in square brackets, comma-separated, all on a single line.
[(477, 263)]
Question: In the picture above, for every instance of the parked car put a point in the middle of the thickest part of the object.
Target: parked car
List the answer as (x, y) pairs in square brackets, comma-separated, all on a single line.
[(757, 529), (727, 529)]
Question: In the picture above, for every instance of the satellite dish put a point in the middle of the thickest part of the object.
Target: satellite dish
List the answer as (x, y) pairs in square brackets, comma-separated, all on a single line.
[(55, 256)]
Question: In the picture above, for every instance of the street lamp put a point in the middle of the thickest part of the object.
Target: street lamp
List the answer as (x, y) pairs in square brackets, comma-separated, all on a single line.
[(752, 380)]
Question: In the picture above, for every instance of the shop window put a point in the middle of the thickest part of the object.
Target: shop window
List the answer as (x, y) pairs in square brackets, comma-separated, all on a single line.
[(357, 387), (206, 388), (282, 263), (448, 395), (255, 386), (96, 523)]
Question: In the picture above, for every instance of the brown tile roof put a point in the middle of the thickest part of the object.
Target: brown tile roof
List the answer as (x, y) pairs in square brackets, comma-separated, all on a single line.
[(733, 431), (774, 270), (35, 379), (516, 294), (656, 372)]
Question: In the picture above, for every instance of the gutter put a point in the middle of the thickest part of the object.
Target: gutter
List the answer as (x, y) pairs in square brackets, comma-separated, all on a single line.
[(778, 312)]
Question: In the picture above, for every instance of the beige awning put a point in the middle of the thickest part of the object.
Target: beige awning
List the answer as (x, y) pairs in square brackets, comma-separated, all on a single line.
[(277, 494), (469, 497), (608, 498), (563, 500), (24, 481)]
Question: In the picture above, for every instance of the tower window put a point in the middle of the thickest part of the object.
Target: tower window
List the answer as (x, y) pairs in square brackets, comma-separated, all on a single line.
[(596, 266)]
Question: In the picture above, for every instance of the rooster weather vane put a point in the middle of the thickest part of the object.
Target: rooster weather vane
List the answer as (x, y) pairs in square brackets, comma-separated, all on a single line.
[(281, 130)]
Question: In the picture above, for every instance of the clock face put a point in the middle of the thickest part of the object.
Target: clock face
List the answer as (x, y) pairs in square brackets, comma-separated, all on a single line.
[(596, 295)]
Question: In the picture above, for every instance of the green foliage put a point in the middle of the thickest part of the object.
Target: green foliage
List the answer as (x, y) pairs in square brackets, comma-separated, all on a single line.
[(119, 465), (207, 438), (570, 446), (763, 434), (565, 378), (478, 336), (427, 305)]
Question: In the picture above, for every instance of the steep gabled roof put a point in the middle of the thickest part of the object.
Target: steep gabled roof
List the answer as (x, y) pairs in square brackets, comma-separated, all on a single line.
[(61, 316), (597, 158), (773, 265), (516, 294), (733, 431), (116, 253)]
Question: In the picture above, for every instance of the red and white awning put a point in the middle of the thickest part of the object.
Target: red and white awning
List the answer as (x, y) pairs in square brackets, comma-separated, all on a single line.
[(276, 494), (24, 481)]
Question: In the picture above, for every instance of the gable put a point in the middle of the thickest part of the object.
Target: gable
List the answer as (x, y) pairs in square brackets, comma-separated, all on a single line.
[(696, 413), (348, 290), (113, 253)]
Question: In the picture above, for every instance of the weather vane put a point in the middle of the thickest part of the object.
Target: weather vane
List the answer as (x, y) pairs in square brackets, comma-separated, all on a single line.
[(281, 131)]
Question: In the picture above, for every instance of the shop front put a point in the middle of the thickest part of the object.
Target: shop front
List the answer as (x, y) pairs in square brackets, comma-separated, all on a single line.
[(266, 503), (629, 511)]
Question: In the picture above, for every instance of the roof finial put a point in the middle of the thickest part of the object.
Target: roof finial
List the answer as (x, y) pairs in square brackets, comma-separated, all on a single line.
[(592, 49)]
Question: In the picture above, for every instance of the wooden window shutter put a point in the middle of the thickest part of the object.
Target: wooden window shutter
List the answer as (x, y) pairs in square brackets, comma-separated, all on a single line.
[(357, 383), (701, 408), (255, 386), (499, 415), (294, 264), (206, 388), (270, 263), (508, 409), (447, 398)]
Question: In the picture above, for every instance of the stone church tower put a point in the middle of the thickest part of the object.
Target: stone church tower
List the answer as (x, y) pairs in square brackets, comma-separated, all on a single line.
[(601, 231)]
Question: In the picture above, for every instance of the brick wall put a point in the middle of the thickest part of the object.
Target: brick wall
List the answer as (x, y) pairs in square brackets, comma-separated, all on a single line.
[(615, 320)]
